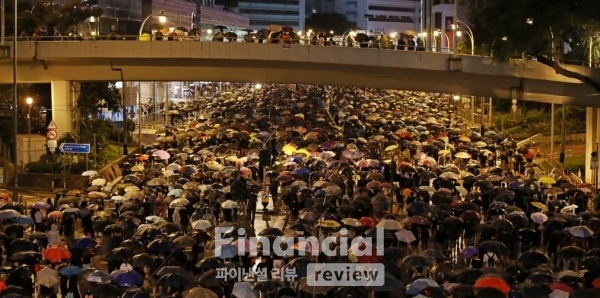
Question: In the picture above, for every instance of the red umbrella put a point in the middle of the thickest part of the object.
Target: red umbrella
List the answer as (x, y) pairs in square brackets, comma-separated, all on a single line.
[(56, 253), (493, 282), (368, 222), (558, 286)]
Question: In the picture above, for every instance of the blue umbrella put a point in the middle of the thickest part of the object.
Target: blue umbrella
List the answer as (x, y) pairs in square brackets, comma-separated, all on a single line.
[(129, 279), (24, 220), (303, 171), (85, 243), (226, 251), (515, 185), (70, 271)]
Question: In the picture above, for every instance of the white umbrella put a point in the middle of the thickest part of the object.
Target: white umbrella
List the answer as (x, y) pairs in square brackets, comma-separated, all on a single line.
[(161, 154), (539, 218), (131, 188), (181, 202), (168, 173), (173, 167), (570, 208), (229, 204), (99, 182), (390, 224), (581, 232), (117, 198), (89, 173), (405, 236), (201, 225)]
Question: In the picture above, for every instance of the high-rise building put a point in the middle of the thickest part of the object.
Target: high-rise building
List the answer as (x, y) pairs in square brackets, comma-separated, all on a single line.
[(263, 13)]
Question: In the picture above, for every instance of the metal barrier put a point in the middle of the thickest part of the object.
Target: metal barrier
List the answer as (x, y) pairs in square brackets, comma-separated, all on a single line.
[(528, 140)]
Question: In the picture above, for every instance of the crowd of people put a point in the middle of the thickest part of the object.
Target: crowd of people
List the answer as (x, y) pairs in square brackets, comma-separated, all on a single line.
[(461, 214)]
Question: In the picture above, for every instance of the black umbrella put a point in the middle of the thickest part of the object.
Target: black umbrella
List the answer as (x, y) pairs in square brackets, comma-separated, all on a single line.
[(469, 277), (209, 264), (121, 254), (416, 261), (161, 245), (134, 244), (106, 291), (19, 245), (173, 280), (267, 286), (571, 252), (418, 208), (540, 278), (494, 246), (271, 231), (142, 260), (533, 258), (210, 279)]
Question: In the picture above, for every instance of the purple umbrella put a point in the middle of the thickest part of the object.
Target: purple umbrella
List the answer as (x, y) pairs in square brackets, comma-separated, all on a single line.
[(469, 252), (129, 279)]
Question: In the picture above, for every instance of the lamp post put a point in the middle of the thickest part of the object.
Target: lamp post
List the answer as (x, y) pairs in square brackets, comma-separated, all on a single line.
[(162, 18), (438, 32), (15, 104), (469, 32), (350, 32), (29, 101)]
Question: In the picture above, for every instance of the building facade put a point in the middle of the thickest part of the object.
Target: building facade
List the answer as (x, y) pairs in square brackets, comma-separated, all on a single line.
[(179, 13), (263, 13)]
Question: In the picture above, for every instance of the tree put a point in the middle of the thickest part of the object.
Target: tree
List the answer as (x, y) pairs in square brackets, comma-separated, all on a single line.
[(325, 22), (38, 123), (94, 96), (49, 15), (535, 29)]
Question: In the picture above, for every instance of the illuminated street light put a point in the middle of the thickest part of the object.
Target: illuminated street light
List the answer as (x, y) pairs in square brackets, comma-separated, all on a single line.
[(257, 86), (529, 21), (505, 38), (29, 102), (162, 18), (456, 97), (331, 32), (172, 28), (209, 31), (459, 33), (393, 34)]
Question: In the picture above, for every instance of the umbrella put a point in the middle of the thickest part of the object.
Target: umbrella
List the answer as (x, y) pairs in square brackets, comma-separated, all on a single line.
[(70, 271), (129, 279), (405, 236), (56, 254), (98, 276), (533, 258), (173, 280), (85, 243), (416, 261), (200, 292), (47, 277), (106, 291), (581, 232), (492, 282)]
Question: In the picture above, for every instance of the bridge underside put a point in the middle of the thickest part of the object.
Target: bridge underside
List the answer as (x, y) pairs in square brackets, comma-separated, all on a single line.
[(192, 69)]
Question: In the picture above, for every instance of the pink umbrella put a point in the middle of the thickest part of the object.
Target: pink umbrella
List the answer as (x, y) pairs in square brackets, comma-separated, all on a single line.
[(161, 154)]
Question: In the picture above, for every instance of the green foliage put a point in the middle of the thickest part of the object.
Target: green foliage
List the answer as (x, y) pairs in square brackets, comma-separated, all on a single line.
[(62, 16), (325, 22), (94, 96), (531, 27)]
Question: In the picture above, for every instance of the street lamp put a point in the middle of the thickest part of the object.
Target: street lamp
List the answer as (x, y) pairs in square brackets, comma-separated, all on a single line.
[(257, 86), (29, 102), (469, 32), (172, 28), (162, 18), (437, 33)]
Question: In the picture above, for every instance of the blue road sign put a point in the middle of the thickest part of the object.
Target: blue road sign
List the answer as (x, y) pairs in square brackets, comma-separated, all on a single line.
[(74, 148)]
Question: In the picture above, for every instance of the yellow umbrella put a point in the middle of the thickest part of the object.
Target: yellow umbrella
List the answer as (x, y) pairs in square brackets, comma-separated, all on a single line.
[(547, 180), (232, 158), (289, 149), (539, 206), (391, 148), (303, 151), (329, 224), (464, 139), (137, 169), (444, 152)]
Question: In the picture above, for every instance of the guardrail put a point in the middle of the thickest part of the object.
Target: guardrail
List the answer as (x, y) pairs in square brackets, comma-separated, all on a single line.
[(373, 44), (528, 140)]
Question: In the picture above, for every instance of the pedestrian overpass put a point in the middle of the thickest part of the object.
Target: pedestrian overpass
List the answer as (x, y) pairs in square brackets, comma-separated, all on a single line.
[(277, 63), (65, 63)]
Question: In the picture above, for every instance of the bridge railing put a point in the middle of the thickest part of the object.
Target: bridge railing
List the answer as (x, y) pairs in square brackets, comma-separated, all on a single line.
[(372, 44)]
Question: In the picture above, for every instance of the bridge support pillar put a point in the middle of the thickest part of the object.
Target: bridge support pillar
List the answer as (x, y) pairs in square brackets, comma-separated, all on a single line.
[(592, 136), (64, 97)]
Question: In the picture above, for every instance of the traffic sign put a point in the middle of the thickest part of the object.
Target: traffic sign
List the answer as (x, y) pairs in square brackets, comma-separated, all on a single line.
[(74, 148), (52, 125), (51, 134)]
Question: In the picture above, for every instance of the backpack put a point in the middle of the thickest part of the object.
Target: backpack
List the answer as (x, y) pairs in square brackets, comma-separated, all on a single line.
[(491, 261)]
